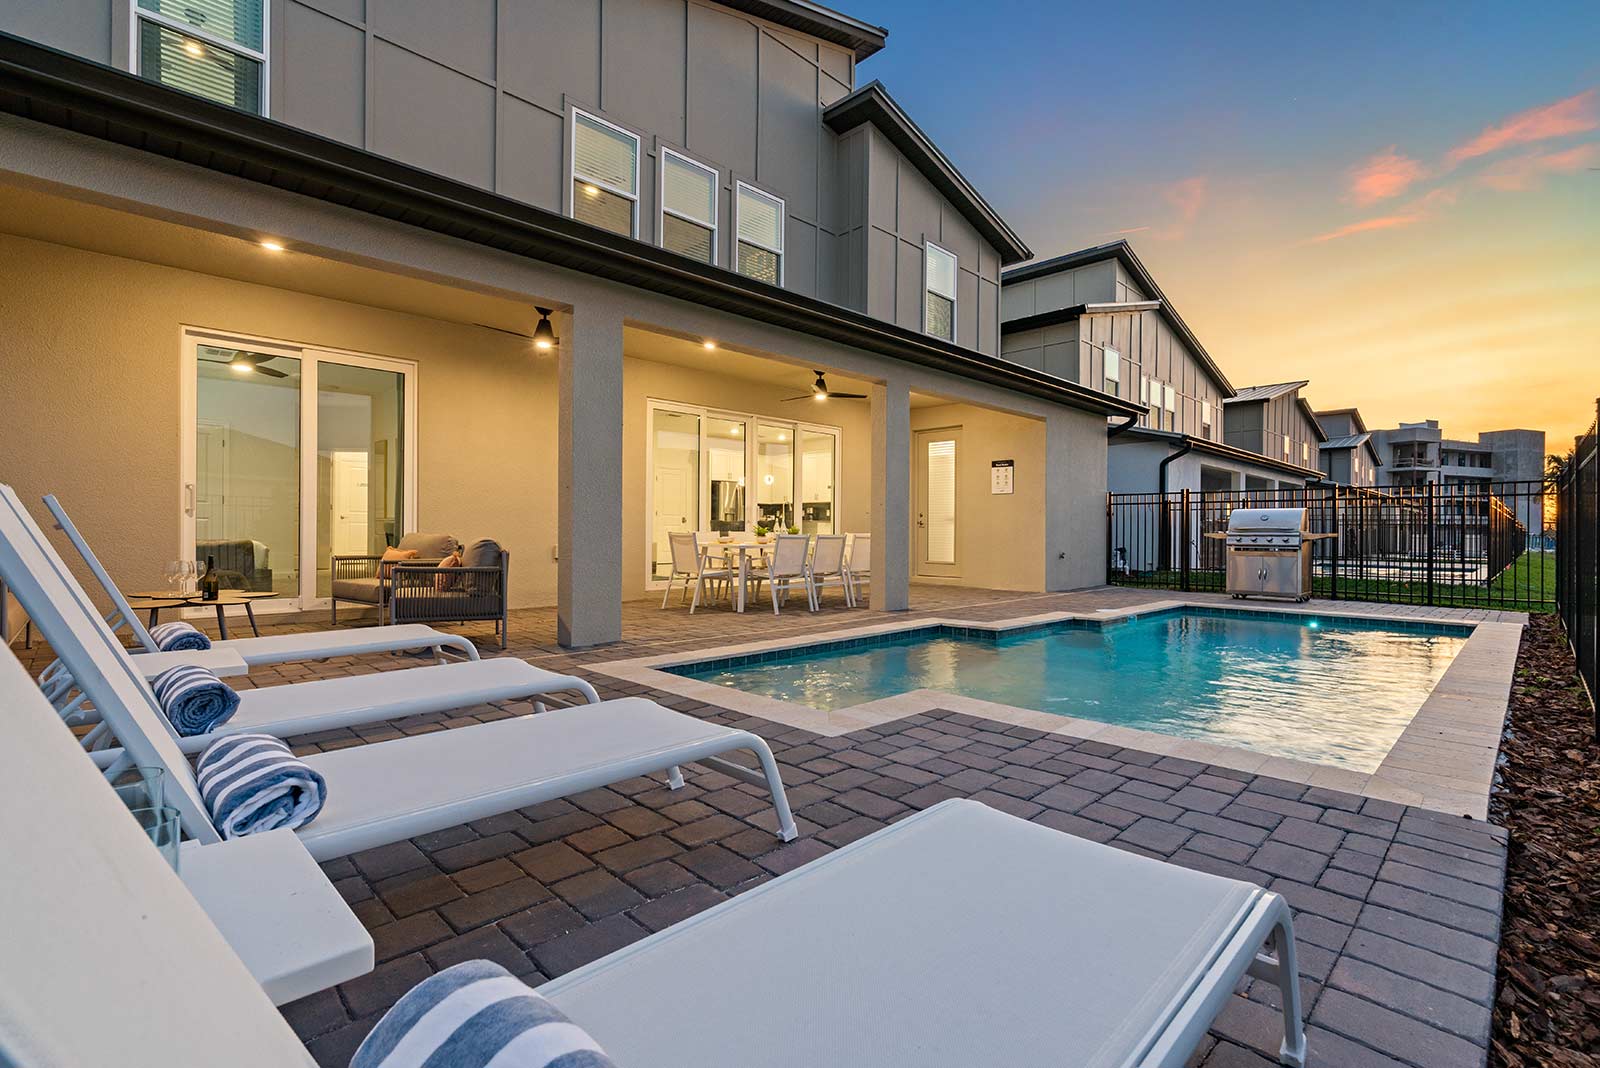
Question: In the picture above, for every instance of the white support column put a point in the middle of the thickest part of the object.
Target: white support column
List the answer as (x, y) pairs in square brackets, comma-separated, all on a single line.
[(1074, 500), (891, 496), (589, 529)]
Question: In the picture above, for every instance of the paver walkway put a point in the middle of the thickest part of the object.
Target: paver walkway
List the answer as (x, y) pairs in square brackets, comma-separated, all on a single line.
[(1397, 910)]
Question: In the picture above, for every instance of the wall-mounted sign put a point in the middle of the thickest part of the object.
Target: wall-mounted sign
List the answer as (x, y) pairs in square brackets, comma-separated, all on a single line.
[(1002, 476)]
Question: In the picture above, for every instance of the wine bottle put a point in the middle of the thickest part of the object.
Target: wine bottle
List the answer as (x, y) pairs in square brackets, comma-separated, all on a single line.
[(209, 585)]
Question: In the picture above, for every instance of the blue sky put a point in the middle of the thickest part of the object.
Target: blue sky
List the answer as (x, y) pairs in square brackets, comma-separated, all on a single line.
[(1378, 197)]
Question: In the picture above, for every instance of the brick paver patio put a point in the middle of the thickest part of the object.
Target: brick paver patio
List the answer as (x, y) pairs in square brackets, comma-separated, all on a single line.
[(1397, 910)]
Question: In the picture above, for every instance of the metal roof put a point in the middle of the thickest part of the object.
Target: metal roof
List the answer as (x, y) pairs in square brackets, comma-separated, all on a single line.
[(1124, 254), (1349, 441), (1216, 448), (57, 89), (872, 103), (1252, 394)]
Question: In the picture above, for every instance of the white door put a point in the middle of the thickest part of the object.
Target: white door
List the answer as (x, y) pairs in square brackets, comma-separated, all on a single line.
[(351, 503), (936, 530)]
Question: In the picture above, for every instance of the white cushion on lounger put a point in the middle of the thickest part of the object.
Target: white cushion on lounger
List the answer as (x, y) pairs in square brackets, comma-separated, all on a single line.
[(960, 936), (325, 703), (410, 786), (354, 641)]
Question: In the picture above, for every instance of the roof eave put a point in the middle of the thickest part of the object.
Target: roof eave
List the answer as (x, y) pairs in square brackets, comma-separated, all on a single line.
[(862, 38), (1217, 448), (872, 103)]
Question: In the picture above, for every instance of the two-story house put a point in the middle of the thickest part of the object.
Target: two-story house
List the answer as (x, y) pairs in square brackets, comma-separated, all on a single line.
[(1275, 421), (1349, 455), (300, 276), (1097, 317)]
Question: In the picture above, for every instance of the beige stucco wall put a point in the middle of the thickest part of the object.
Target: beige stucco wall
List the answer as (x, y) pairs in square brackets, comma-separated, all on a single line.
[(646, 380), (90, 404), (999, 537)]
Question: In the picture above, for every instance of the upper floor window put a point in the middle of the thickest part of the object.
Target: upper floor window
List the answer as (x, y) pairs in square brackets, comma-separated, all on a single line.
[(1169, 401), (1113, 371), (1305, 452), (1205, 419), (212, 48), (939, 299), (758, 218), (688, 207), (605, 175)]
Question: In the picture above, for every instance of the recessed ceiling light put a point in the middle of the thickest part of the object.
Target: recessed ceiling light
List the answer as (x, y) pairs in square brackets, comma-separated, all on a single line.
[(272, 246)]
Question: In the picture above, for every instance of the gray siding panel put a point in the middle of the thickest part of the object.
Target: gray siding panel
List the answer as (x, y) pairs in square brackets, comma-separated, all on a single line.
[(967, 317), (908, 286), (882, 250), (82, 27), (348, 10), (540, 73), (722, 89), (643, 51), (431, 116), (459, 35), (787, 138), (800, 273), (532, 165), (321, 74)]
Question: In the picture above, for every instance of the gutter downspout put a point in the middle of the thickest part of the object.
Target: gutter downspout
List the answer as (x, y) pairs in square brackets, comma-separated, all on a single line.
[(1165, 544), (1114, 431)]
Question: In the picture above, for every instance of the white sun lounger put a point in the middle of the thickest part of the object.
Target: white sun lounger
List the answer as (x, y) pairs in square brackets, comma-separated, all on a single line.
[(959, 936), (295, 708), (273, 648), (386, 791)]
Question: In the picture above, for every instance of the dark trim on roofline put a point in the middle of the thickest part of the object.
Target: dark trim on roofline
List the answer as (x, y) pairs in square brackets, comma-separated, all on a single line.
[(872, 103), (862, 38), (57, 89), (1123, 252), (1077, 311), (1217, 448)]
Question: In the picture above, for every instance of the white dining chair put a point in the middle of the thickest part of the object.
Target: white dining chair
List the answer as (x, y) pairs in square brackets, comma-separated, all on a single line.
[(787, 563), (690, 565), (827, 569), (858, 565)]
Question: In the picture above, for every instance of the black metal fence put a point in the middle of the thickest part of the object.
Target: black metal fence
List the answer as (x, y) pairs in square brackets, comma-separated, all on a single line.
[(1578, 554), (1481, 545)]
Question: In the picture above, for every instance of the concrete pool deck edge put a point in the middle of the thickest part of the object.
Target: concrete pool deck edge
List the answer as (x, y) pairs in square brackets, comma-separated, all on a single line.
[(1444, 760)]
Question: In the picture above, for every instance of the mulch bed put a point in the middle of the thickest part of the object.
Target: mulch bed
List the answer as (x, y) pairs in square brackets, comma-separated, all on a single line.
[(1547, 1012)]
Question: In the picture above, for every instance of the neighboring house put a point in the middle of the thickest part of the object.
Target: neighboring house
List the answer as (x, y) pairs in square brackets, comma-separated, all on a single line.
[(1098, 318), (1277, 422), (562, 273), (1418, 454), (1349, 456)]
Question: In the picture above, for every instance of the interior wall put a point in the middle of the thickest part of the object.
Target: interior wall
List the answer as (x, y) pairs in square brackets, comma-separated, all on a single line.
[(647, 380), (999, 537), (487, 416)]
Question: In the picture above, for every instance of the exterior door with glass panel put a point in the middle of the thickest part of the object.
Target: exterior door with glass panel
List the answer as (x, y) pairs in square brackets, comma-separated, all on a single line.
[(938, 453), (292, 455), (674, 484)]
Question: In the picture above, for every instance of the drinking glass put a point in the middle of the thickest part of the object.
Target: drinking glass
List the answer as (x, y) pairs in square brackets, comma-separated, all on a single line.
[(192, 569), (162, 826), (140, 787), (174, 574)]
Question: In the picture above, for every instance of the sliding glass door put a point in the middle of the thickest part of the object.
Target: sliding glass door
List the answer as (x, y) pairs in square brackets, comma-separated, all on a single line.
[(291, 455), (721, 472)]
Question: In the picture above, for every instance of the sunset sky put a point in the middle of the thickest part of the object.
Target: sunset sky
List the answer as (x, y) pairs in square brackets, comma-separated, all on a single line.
[(1397, 201)]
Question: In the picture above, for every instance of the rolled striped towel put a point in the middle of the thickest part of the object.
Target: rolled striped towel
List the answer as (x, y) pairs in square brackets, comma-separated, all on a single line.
[(195, 700), (473, 1015), (252, 783), (179, 636)]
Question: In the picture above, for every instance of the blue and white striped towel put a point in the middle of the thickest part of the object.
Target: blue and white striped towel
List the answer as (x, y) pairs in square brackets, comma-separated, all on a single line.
[(252, 783), (195, 700), (473, 1015), (179, 637)]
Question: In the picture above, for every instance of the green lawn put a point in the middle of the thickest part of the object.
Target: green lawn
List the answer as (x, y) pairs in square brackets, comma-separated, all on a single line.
[(1529, 585)]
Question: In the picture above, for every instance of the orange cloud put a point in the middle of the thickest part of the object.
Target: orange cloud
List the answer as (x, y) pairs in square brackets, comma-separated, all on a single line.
[(1418, 210), (1186, 198), (1524, 172), (1129, 230), (1386, 174), (1575, 114)]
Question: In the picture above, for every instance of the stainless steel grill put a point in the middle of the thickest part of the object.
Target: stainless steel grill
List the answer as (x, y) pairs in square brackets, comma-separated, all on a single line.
[(1269, 553)]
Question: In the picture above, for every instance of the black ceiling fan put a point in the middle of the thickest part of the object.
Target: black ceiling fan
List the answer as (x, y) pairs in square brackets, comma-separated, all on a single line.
[(820, 391), (246, 362)]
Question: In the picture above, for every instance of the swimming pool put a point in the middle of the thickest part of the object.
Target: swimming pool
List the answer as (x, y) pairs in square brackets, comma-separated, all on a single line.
[(1326, 689)]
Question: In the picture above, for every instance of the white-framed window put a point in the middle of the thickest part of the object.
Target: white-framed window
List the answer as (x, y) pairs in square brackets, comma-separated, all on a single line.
[(1113, 371), (605, 175), (1305, 452), (939, 292), (758, 219), (1205, 418), (688, 224), (215, 49), (1170, 402)]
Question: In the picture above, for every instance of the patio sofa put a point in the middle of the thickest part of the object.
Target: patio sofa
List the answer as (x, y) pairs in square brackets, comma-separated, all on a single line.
[(364, 580), (473, 591)]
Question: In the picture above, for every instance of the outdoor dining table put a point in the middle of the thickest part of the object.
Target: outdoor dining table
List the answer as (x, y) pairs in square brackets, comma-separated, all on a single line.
[(744, 547), (153, 601)]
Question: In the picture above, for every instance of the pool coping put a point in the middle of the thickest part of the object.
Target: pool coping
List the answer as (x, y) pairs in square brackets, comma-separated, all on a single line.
[(1444, 760)]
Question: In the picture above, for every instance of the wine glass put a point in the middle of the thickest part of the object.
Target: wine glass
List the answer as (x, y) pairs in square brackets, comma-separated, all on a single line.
[(174, 574), (191, 570)]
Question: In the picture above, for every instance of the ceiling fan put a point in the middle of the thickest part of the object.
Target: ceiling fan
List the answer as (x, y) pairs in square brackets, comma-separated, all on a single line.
[(821, 392), (246, 362)]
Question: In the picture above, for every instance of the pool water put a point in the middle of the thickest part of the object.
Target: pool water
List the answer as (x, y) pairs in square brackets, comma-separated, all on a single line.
[(1317, 688)]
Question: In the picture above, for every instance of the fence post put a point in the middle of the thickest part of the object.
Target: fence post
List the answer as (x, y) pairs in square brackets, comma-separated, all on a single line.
[(1432, 521), (1185, 541), (1333, 495), (1111, 561)]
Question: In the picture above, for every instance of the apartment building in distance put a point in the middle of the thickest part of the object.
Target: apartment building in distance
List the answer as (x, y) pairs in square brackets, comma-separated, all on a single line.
[(1096, 317), (1418, 454)]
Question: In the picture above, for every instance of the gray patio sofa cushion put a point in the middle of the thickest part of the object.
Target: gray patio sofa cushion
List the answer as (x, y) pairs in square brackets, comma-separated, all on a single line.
[(430, 546), (365, 590)]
